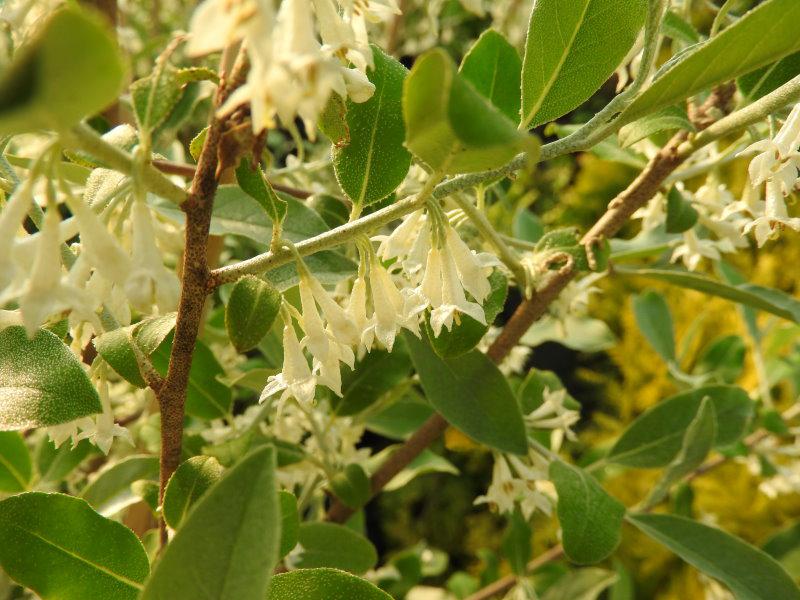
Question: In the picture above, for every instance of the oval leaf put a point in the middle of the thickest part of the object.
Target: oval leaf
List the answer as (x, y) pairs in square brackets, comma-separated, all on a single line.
[(493, 67), (188, 483), (228, 544), (41, 381), (748, 572), (375, 161), (590, 519), (572, 48), (655, 322), (472, 394), (334, 546), (654, 439), (71, 68), (323, 584), (764, 35), (110, 491), (251, 310), (452, 127), (60, 548)]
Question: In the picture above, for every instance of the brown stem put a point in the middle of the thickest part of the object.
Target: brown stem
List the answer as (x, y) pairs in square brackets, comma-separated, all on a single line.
[(187, 170)]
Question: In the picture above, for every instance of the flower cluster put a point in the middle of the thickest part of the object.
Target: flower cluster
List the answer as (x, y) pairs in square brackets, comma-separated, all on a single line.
[(520, 481), (433, 275), (110, 270), (296, 63)]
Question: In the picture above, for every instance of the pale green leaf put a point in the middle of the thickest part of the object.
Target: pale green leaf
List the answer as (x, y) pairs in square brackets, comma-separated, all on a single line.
[(493, 67), (334, 546), (748, 572), (375, 161), (41, 382), (583, 584), (60, 548), (590, 519), (251, 311), (472, 394), (110, 491), (671, 118), (322, 584), (227, 545), (655, 322), (572, 48), (767, 79), (187, 485), (254, 183), (762, 36)]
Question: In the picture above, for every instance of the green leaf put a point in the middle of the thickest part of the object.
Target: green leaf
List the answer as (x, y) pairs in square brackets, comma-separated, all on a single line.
[(110, 491), (61, 549), (251, 311), (374, 375), (400, 419), (115, 347), (464, 336), (784, 547), (187, 485), (322, 584), (154, 97), (328, 267), (352, 486), (41, 381), (590, 519), (206, 396), (375, 161), (767, 79), (766, 299), (698, 440), (450, 126), (676, 27), (655, 322), (290, 522), (669, 119), (654, 439), (723, 359), (227, 545), (517, 543), (16, 468), (572, 48), (748, 572), (762, 36), (583, 584), (472, 394), (334, 546), (255, 184), (681, 215), (69, 69), (493, 67), (236, 213)]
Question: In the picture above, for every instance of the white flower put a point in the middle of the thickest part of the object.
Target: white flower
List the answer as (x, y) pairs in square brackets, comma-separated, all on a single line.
[(473, 268), (519, 481), (217, 23), (449, 299), (46, 292), (552, 414), (694, 249), (775, 216), (389, 305), (149, 281), (652, 214), (777, 160), (98, 246), (357, 313), (11, 218), (340, 325), (295, 380)]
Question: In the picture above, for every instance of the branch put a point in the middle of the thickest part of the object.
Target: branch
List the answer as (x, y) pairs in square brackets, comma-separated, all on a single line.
[(187, 170)]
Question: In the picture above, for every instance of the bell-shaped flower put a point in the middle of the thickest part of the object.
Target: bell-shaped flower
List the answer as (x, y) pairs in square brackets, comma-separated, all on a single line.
[(11, 218), (652, 214), (775, 217), (553, 414), (100, 248), (453, 299), (356, 312), (46, 293), (694, 249), (389, 305), (295, 380), (339, 323), (149, 281), (340, 38), (102, 429), (473, 268)]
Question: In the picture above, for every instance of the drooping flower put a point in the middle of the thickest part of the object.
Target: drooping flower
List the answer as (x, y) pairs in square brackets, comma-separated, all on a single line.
[(694, 249), (149, 282), (522, 482), (11, 217), (295, 379), (217, 23), (775, 216), (554, 415), (102, 429), (389, 305)]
